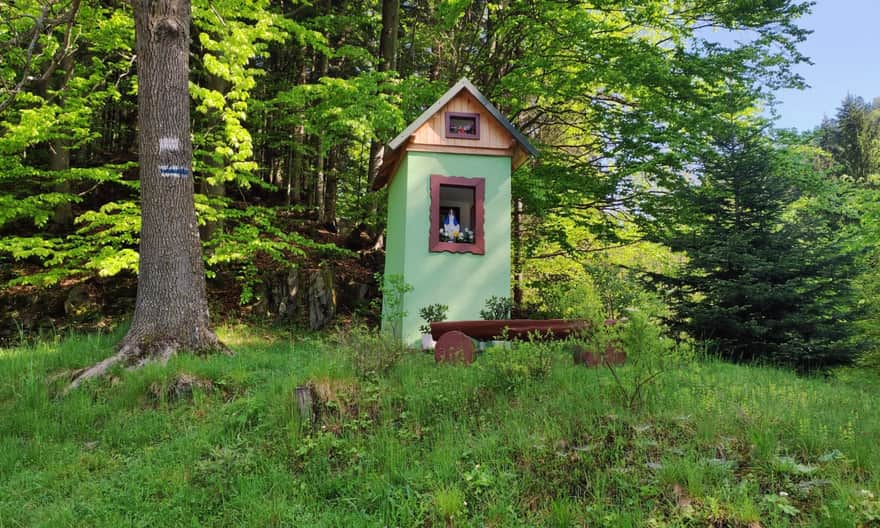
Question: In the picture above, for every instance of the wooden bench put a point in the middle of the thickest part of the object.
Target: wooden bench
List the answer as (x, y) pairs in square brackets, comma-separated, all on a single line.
[(455, 338)]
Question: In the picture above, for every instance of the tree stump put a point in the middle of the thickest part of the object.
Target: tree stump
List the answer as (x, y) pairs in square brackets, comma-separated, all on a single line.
[(454, 346), (305, 403)]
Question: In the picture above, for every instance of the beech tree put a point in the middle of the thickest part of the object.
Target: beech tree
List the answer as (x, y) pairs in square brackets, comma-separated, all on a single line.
[(171, 309)]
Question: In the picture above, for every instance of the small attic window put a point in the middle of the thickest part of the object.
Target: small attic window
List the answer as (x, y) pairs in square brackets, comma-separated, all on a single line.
[(462, 125)]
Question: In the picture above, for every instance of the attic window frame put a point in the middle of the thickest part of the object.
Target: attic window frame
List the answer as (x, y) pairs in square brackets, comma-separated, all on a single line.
[(479, 186), (448, 116)]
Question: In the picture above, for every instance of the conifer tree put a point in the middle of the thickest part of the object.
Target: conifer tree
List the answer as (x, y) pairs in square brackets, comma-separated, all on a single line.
[(767, 276), (853, 138)]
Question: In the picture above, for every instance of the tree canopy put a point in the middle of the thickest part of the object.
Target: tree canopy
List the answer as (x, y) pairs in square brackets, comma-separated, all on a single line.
[(629, 103)]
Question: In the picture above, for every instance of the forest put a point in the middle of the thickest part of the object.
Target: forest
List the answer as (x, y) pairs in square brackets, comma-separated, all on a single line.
[(205, 349), (659, 175)]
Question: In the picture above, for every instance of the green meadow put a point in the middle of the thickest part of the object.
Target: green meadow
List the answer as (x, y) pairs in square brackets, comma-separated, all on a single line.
[(522, 437)]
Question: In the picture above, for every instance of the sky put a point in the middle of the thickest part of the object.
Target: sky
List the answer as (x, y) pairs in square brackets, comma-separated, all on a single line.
[(845, 50)]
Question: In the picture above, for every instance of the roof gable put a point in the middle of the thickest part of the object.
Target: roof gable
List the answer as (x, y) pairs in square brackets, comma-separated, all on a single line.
[(427, 129)]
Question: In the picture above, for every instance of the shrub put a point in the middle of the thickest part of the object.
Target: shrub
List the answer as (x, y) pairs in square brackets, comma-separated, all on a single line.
[(649, 353), (393, 289), (371, 353), (521, 363), (433, 313), (572, 300), (497, 308)]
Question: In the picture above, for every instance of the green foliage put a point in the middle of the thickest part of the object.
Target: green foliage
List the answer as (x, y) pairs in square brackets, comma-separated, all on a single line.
[(625, 130), (371, 353), (509, 368), (450, 505), (853, 139), (433, 313), (393, 288), (253, 237), (649, 353), (63, 64), (769, 273), (232, 37), (571, 299), (103, 245), (718, 444), (497, 308)]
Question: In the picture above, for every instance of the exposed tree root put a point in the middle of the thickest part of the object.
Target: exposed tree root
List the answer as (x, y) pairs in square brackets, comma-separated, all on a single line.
[(134, 354)]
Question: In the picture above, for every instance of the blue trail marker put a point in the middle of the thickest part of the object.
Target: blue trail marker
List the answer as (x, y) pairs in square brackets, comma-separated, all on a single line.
[(173, 171)]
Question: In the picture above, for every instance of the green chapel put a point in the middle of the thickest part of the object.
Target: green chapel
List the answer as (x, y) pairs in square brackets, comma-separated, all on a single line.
[(449, 206)]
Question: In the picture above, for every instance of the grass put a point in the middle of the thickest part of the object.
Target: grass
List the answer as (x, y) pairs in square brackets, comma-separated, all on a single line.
[(521, 438)]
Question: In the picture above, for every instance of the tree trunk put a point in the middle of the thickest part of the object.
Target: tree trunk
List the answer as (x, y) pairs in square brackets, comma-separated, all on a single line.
[(387, 62), (171, 309), (518, 255), (297, 174), (218, 188), (388, 40), (331, 188), (59, 160), (59, 154), (320, 181), (317, 188)]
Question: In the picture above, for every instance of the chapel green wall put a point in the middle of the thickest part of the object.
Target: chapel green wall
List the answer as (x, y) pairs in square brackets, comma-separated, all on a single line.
[(462, 281), (395, 230)]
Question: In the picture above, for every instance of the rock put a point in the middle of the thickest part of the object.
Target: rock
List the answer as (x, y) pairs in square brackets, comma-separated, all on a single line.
[(322, 298), (79, 301), (285, 293), (353, 294)]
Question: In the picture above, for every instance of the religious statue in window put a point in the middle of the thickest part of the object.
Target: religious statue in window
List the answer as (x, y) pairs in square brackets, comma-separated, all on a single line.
[(452, 231), (457, 214)]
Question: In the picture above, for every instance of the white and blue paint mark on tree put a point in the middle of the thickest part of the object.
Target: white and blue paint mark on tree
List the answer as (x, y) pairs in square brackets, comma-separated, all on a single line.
[(173, 171), (168, 146)]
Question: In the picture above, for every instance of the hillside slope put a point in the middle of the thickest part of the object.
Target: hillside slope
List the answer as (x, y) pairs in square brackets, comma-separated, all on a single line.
[(521, 438)]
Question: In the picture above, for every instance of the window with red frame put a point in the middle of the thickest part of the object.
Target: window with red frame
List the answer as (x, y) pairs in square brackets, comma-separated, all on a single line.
[(462, 125), (457, 214)]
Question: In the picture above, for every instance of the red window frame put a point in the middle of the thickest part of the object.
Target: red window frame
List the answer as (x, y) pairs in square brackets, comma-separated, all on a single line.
[(448, 117), (479, 187)]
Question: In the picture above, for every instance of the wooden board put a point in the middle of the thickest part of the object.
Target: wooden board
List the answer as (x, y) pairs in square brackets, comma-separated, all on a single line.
[(492, 133), (512, 328)]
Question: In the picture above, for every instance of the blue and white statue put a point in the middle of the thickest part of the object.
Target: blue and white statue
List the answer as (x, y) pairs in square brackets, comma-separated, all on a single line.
[(451, 226)]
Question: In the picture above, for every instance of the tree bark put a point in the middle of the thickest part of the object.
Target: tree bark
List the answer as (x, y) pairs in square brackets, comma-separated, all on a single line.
[(388, 40), (518, 278), (171, 309), (218, 188), (331, 188), (59, 154), (59, 160), (387, 62)]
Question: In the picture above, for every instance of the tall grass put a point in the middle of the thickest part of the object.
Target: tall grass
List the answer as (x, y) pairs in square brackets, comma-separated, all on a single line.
[(520, 438)]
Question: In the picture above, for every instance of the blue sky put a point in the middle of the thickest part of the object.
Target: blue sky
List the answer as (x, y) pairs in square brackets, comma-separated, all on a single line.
[(845, 50)]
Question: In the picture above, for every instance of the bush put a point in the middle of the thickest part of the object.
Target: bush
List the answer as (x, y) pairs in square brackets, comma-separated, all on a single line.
[(572, 300), (371, 353), (433, 313), (497, 308), (508, 368), (393, 289), (649, 353)]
